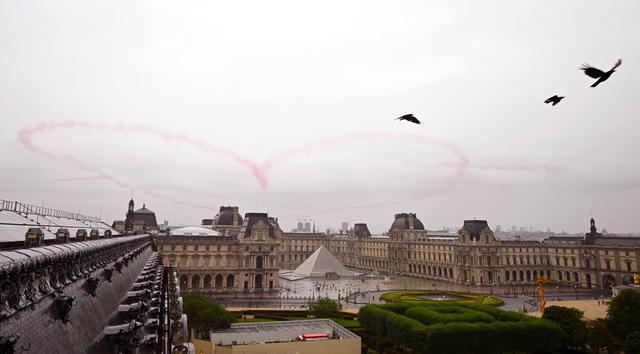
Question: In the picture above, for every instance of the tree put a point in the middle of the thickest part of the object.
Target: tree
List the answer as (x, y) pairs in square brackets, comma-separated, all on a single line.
[(599, 337), (324, 307), (570, 321), (632, 343), (623, 314), (204, 314)]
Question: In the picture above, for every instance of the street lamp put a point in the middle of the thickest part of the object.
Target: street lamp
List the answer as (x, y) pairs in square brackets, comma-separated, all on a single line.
[(491, 288), (557, 293), (575, 288), (468, 290), (236, 288)]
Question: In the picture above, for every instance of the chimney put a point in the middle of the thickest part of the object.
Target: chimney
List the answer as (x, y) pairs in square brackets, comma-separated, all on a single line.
[(235, 216)]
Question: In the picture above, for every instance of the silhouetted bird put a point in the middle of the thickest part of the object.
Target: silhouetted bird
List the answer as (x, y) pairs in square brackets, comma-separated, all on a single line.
[(599, 74), (409, 118), (554, 100)]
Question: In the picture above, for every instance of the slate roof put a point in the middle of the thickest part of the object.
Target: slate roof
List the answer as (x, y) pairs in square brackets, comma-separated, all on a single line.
[(402, 222), (475, 227)]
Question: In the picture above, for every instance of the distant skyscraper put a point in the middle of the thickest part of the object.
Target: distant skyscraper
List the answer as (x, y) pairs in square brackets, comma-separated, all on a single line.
[(513, 229), (300, 226), (345, 227), (498, 228), (307, 226)]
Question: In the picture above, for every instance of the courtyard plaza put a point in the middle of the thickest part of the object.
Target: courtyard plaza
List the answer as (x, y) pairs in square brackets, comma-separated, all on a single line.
[(353, 293)]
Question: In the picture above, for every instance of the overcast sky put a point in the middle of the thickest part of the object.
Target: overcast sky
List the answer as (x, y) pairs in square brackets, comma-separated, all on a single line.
[(288, 107)]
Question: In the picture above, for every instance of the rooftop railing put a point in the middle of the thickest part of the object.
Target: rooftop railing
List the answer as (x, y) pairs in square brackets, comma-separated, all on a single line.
[(42, 211)]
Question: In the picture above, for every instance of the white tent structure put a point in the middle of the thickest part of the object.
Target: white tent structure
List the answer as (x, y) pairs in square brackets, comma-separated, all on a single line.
[(320, 264)]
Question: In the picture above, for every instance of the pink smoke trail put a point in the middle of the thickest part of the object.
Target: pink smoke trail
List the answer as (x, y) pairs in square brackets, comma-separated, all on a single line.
[(25, 137), (26, 134), (80, 178), (259, 171)]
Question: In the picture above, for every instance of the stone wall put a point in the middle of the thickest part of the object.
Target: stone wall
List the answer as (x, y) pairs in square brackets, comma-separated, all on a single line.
[(41, 331)]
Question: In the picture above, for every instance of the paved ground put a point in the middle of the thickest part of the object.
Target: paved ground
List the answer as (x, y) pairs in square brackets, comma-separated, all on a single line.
[(353, 310), (591, 308)]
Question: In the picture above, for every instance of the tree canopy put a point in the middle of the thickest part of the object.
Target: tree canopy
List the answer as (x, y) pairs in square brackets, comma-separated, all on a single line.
[(632, 343), (623, 314), (324, 307), (205, 314), (570, 321)]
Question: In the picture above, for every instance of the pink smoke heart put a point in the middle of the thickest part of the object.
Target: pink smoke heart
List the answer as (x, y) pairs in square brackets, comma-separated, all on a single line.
[(258, 170)]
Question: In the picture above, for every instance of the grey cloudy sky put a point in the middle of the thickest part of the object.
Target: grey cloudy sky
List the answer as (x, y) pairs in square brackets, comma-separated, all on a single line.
[(288, 107)]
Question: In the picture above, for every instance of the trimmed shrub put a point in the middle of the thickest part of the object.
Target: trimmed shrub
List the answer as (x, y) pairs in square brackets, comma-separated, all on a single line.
[(403, 330), (429, 316), (508, 316), (431, 327), (373, 318)]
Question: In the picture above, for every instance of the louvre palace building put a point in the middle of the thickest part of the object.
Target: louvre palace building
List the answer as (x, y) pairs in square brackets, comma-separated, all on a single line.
[(232, 253)]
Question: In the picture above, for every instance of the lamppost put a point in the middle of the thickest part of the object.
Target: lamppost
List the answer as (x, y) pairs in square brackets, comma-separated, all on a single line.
[(557, 293), (491, 288), (524, 304), (513, 288), (575, 288), (280, 298), (468, 287), (236, 288)]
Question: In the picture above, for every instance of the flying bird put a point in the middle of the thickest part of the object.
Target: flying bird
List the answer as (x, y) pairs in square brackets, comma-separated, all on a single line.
[(554, 100), (599, 74), (409, 118)]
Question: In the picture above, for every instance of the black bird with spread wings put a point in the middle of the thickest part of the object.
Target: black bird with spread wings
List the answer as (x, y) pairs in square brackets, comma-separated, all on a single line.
[(599, 74), (409, 118), (554, 100)]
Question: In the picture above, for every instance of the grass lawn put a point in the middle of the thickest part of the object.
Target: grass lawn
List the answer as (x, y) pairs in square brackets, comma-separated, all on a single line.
[(416, 296), (293, 316), (255, 319)]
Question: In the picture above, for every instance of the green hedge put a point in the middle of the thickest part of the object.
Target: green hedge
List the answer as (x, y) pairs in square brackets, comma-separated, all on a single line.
[(374, 318), (497, 336), (430, 316), (458, 328)]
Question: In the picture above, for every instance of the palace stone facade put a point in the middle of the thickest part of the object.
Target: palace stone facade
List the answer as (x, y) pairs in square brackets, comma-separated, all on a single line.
[(249, 256)]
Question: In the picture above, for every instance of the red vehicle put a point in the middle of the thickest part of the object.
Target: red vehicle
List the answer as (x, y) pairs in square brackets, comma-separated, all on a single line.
[(313, 336)]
